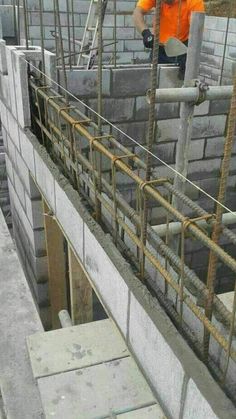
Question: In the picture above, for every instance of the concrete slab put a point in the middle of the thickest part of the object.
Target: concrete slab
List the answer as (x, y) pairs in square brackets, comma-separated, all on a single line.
[(95, 392), (18, 319), (150, 412), (76, 347)]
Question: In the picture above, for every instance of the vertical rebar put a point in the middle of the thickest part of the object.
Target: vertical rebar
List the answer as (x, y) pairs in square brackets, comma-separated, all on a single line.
[(42, 37), (115, 33), (61, 49), (151, 123), (25, 11), (68, 30), (73, 31), (230, 341), (18, 22), (212, 265)]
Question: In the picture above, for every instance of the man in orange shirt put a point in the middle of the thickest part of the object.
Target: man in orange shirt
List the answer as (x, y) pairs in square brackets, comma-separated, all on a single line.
[(174, 22)]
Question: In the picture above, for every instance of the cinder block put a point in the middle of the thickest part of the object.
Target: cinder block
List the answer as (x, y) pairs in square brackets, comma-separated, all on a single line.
[(73, 224), (45, 180), (27, 151), (9, 169), (215, 147), (34, 212), (167, 131), (101, 270), (209, 126), (195, 404), (156, 357), (168, 76), (25, 177), (202, 109), (203, 169), (11, 80), (19, 188), (133, 45), (130, 82), (216, 23), (11, 150), (13, 130), (232, 25), (7, 20), (3, 60), (196, 149), (219, 107), (83, 83), (162, 110), (116, 110)]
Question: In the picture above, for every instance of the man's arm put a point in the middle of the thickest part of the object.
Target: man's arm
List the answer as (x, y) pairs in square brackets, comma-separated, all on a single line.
[(138, 17)]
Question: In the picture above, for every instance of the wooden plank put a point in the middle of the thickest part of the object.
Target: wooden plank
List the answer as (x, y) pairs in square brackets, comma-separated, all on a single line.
[(56, 266), (99, 391), (75, 347), (81, 298)]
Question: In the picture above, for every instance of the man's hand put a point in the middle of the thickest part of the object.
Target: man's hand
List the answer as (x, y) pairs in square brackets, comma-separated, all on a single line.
[(148, 38)]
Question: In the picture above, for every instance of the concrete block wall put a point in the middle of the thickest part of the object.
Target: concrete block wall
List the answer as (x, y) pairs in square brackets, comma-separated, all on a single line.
[(218, 50), (25, 198)]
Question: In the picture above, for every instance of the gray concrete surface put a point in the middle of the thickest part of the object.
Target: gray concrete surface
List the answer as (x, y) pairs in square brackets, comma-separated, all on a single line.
[(18, 319)]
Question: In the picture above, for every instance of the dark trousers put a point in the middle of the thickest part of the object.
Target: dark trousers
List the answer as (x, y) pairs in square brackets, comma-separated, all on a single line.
[(163, 59)]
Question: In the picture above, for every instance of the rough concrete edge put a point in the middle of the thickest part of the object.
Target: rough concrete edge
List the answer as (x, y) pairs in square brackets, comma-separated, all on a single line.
[(219, 402)]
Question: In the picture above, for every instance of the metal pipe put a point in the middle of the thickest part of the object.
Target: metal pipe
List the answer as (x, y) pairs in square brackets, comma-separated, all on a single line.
[(187, 110), (190, 94), (65, 319), (175, 227)]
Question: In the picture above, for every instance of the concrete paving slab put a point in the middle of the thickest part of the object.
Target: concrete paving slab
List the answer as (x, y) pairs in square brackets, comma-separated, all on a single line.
[(150, 412), (75, 347), (95, 392)]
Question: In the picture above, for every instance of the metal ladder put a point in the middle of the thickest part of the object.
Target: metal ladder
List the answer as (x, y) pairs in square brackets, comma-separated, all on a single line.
[(88, 54)]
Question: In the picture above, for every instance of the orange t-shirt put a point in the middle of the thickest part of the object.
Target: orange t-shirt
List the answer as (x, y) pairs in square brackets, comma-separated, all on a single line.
[(173, 24)]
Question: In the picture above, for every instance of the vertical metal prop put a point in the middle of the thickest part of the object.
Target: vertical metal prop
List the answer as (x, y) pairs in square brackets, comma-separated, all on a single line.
[(187, 109), (151, 123), (212, 266)]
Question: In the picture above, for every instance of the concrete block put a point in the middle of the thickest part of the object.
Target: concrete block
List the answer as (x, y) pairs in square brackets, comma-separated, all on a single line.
[(167, 131), (45, 181), (26, 178), (209, 126), (9, 169), (135, 130), (11, 80), (219, 107), (195, 406), (3, 60), (13, 130), (216, 23), (115, 295), (208, 47), (231, 39), (202, 109), (19, 188), (34, 212), (4, 89), (156, 357), (21, 88), (214, 36), (168, 76), (116, 110), (4, 120), (11, 150), (232, 25), (133, 45), (72, 225), (215, 147), (162, 110), (7, 19), (203, 169), (196, 149), (83, 83), (27, 151), (130, 82)]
